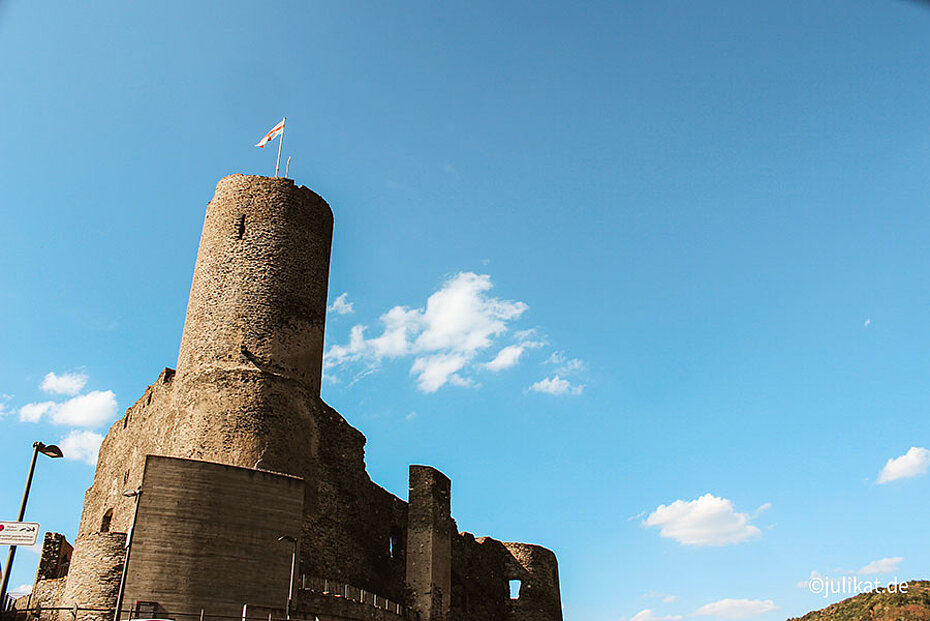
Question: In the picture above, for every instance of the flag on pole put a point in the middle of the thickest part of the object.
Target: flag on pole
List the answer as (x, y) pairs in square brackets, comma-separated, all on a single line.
[(276, 131)]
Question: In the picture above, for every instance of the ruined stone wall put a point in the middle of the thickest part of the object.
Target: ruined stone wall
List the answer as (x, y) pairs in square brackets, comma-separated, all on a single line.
[(146, 428), (100, 559), (479, 582), (350, 522), (538, 571), (429, 542), (55, 557), (46, 593)]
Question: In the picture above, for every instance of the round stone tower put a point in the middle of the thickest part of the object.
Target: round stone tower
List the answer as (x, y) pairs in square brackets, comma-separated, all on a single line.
[(252, 350)]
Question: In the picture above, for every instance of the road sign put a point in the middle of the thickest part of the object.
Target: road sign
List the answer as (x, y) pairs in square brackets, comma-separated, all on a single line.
[(18, 533)]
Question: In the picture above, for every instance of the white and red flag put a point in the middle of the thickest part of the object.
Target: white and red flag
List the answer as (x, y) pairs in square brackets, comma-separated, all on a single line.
[(276, 131)]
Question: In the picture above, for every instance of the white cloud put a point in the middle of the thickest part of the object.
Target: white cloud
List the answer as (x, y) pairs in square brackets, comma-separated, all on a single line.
[(665, 597), (23, 589), (90, 410), (913, 463), (881, 566), (81, 446), (434, 371), (706, 521), (67, 384), (33, 412), (557, 386), (505, 358), (649, 615), (736, 608), (509, 356), (341, 305), (459, 320), (868, 322)]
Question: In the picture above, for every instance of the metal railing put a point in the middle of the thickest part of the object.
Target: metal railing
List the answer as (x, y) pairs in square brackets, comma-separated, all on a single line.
[(340, 589)]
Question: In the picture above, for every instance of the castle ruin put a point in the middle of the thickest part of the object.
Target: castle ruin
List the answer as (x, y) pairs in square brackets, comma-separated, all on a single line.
[(236, 449)]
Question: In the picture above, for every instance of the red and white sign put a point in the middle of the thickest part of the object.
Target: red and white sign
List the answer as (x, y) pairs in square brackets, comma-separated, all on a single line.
[(18, 533)]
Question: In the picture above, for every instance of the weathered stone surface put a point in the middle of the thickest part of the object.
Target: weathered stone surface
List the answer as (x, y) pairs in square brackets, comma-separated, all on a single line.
[(94, 577), (429, 542)]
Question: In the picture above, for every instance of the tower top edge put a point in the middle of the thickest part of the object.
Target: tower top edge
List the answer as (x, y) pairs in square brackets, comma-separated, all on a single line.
[(261, 182)]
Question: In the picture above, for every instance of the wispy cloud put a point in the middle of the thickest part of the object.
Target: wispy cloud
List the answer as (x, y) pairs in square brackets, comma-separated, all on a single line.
[(736, 608), (459, 321), (65, 384), (913, 463), (557, 386), (341, 305), (510, 355), (706, 521), (881, 566), (649, 615), (565, 365), (665, 597)]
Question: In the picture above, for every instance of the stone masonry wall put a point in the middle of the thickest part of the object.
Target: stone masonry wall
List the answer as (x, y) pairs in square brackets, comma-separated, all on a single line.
[(100, 557), (429, 542), (538, 572)]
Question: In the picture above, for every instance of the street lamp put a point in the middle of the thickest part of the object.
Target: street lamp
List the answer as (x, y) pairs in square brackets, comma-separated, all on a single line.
[(37, 447), (290, 586), (129, 493)]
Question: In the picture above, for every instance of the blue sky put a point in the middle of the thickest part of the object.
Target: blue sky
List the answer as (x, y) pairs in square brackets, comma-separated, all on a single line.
[(703, 225)]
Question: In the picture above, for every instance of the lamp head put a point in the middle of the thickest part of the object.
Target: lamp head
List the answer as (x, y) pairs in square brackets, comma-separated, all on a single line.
[(132, 493), (48, 449)]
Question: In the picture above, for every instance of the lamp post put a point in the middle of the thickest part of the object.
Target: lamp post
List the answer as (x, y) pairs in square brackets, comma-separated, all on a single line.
[(290, 586), (129, 493), (37, 447)]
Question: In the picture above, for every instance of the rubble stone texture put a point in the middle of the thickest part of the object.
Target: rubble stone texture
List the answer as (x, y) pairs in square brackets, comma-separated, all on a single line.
[(246, 393)]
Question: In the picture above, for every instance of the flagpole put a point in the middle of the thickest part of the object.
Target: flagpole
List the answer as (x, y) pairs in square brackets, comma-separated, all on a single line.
[(287, 166), (277, 163)]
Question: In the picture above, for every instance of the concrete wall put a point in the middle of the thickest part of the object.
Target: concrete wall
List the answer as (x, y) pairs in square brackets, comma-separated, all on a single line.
[(206, 537)]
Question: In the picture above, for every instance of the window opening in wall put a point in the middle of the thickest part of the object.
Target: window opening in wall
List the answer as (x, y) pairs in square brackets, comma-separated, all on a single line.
[(105, 522), (240, 227), (515, 589), (396, 543)]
